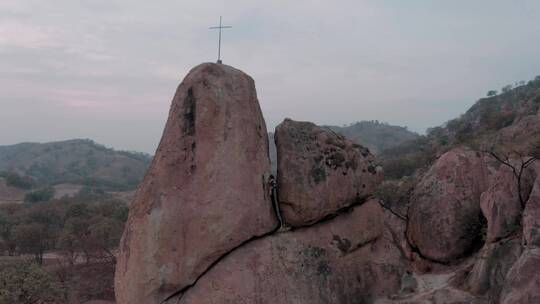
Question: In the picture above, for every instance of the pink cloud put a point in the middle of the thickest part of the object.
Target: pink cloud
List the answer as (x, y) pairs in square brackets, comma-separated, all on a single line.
[(20, 35)]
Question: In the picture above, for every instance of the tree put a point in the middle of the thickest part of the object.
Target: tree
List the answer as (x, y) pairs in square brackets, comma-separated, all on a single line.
[(47, 215), (69, 244), (507, 88), (491, 93), (79, 210), (23, 281), (32, 239), (41, 195), (74, 238), (518, 161), (105, 234), (7, 223), (15, 180)]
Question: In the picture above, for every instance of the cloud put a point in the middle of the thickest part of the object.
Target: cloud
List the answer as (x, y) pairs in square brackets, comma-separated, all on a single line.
[(118, 62), (20, 35)]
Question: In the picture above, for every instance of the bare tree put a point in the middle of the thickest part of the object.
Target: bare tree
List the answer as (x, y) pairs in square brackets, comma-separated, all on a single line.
[(518, 161)]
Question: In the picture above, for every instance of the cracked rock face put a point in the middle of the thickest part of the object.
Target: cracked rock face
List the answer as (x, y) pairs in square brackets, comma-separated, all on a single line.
[(500, 203), (531, 215), (492, 265), (205, 192), (320, 172), (339, 260), (445, 217), (523, 280)]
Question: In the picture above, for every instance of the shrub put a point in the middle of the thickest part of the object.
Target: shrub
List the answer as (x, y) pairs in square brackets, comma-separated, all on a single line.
[(13, 179), (506, 88), (42, 195), (23, 281)]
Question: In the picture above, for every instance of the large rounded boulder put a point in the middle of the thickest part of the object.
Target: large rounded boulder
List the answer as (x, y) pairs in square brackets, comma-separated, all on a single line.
[(320, 172), (445, 218)]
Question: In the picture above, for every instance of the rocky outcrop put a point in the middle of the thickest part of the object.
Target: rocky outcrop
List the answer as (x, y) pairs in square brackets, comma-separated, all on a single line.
[(445, 218), (523, 280), (205, 192), (501, 206), (339, 260), (493, 263), (522, 283), (204, 229), (320, 172), (531, 217)]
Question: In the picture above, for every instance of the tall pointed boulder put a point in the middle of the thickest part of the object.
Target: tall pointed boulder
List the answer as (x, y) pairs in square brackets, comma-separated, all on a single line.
[(205, 192)]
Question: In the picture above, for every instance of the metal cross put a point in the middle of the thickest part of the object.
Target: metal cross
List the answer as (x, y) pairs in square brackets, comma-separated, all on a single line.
[(219, 43)]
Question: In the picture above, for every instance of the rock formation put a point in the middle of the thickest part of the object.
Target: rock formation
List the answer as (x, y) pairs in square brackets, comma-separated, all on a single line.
[(205, 192), (204, 227), (320, 172), (487, 277), (531, 216), (445, 215), (501, 206), (330, 262), (523, 280)]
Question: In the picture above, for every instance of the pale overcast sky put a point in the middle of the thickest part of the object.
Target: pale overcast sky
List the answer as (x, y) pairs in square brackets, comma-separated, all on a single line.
[(107, 69)]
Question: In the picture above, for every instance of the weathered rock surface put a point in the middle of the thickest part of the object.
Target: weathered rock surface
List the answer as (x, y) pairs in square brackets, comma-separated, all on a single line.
[(342, 260), (445, 216), (531, 217), (501, 206), (493, 263), (523, 280), (320, 172), (436, 288), (205, 192)]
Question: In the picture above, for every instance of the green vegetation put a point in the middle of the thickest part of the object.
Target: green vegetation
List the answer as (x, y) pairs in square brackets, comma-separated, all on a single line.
[(90, 218), (16, 180), (81, 232), (82, 162), (41, 195), (375, 135), (491, 93), (479, 125), (405, 159), (23, 281)]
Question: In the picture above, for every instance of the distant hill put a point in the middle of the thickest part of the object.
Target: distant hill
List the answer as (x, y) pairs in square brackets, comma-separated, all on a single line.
[(510, 119), (375, 135), (78, 161), (491, 116)]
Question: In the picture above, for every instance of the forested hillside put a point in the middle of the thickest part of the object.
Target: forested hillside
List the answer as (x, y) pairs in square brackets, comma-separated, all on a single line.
[(78, 161)]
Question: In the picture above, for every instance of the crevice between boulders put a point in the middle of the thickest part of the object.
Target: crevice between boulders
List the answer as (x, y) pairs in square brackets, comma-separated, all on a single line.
[(180, 293)]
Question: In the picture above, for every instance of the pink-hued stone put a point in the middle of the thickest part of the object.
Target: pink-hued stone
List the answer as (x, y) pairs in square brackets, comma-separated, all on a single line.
[(501, 206), (206, 190), (320, 172), (445, 218), (531, 217), (342, 260), (523, 280)]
